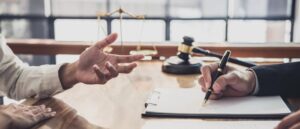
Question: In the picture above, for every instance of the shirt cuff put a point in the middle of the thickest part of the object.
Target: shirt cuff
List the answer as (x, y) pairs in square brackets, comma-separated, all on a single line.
[(55, 75), (256, 88), (38, 82), (51, 82)]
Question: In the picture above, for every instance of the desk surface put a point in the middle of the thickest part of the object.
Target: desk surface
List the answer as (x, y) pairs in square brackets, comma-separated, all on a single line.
[(52, 47), (115, 105)]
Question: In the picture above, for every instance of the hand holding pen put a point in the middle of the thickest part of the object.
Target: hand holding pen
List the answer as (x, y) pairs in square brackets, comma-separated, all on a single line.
[(219, 72), (232, 82)]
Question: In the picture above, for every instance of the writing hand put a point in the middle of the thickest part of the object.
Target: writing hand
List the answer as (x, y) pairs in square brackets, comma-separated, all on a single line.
[(233, 82)]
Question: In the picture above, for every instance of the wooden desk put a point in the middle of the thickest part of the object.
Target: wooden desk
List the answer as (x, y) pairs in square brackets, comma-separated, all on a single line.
[(116, 105), (166, 49)]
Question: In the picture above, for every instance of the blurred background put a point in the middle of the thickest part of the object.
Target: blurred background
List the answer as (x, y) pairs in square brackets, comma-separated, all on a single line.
[(257, 21), (238, 21)]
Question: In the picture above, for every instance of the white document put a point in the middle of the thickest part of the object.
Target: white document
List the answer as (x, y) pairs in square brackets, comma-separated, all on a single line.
[(188, 124), (189, 101)]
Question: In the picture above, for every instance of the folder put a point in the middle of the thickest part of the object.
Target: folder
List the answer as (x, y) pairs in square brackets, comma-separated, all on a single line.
[(187, 103)]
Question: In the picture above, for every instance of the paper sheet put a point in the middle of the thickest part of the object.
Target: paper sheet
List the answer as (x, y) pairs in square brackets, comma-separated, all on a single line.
[(188, 124), (189, 101)]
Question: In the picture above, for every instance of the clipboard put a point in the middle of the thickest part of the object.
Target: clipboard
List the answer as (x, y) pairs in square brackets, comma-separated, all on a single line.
[(186, 103)]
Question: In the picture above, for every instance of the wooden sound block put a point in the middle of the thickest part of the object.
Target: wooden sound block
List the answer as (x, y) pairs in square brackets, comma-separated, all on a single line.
[(175, 65)]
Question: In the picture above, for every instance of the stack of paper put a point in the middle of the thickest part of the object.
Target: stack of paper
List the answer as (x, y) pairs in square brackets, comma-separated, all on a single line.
[(188, 103)]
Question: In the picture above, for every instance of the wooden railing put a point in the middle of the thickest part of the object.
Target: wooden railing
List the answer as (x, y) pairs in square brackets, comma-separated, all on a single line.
[(52, 47)]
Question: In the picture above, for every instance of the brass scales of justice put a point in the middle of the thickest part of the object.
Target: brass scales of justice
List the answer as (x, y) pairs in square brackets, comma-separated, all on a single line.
[(121, 12)]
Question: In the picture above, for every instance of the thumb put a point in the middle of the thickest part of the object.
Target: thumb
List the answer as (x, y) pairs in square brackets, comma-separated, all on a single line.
[(108, 40)]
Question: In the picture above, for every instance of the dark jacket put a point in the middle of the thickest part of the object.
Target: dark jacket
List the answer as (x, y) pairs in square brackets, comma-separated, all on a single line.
[(279, 79)]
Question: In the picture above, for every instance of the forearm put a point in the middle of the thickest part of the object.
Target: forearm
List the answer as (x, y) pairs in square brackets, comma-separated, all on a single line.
[(19, 81), (36, 81), (67, 74)]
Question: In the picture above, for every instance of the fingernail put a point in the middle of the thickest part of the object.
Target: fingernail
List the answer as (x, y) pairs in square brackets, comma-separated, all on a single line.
[(110, 65), (49, 109), (95, 66), (53, 113), (110, 36), (206, 84), (43, 106)]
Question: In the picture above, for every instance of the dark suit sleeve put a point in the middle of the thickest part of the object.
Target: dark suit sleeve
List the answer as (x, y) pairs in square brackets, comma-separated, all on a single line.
[(280, 79)]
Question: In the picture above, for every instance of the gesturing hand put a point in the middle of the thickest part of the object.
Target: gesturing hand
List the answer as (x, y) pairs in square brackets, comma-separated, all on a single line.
[(97, 67), (234, 82), (22, 117)]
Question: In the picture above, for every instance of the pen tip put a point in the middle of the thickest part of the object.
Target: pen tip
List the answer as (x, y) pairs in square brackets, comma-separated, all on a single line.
[(204, 102)]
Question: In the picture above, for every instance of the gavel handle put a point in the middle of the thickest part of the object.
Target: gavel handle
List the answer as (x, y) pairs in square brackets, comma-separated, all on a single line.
[(232, 60)]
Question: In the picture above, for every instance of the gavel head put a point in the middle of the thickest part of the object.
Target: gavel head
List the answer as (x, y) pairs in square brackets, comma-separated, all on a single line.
[(185, 48), (183, 63)]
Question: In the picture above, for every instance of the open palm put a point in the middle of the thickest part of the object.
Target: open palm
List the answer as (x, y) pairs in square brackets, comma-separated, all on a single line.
[(97, 67)]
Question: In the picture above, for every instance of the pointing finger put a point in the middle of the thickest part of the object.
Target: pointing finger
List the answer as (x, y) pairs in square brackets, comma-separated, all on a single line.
[(108, 40), (126, 68), (128, 58)]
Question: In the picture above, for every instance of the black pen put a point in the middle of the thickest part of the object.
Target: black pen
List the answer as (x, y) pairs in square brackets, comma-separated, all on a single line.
[(219, 72)]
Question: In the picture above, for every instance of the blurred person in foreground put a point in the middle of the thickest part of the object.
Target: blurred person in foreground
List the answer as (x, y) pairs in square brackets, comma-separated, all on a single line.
[(19, 81)]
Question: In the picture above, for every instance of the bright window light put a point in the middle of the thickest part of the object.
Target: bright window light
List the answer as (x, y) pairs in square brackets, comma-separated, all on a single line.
[(203, 31)]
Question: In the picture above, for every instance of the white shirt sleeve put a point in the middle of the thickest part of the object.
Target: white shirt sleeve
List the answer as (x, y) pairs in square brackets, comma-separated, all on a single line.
[(256, 88), (19, 81)]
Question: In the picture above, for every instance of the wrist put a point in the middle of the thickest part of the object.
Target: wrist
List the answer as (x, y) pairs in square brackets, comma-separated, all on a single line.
[(252, 81), (67, 75)]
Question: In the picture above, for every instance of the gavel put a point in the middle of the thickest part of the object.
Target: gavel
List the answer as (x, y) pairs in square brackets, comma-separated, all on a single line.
[(185, 49), (182, 64)]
